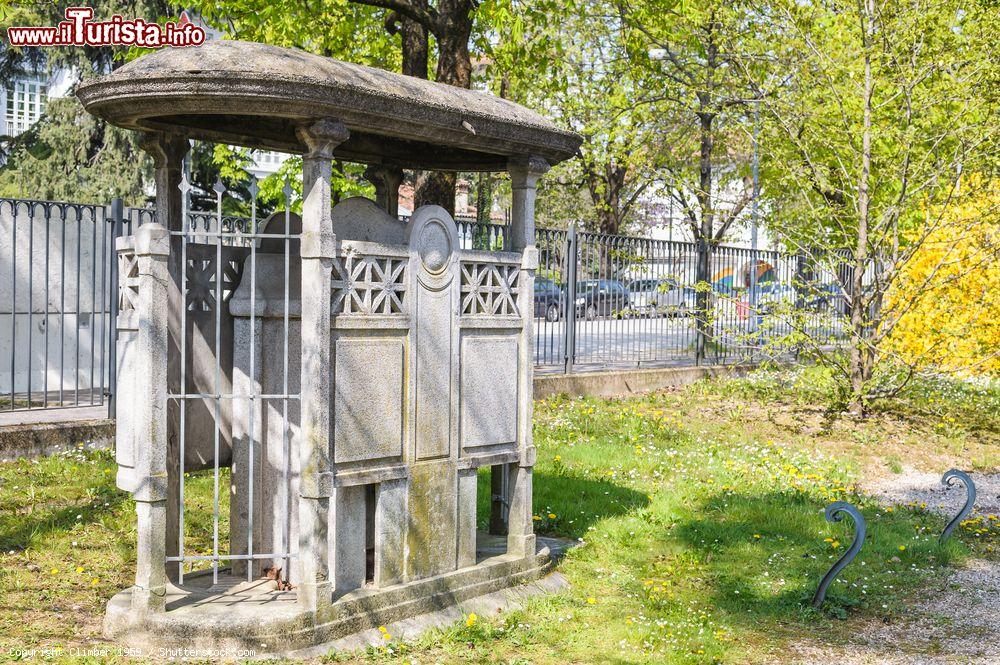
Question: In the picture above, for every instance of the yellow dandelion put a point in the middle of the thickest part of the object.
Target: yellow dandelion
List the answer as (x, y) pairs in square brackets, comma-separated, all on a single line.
[(79, 569), (54, 571), (552, 516), (902, 548), (94, 582), (471, 619), (591, 600)]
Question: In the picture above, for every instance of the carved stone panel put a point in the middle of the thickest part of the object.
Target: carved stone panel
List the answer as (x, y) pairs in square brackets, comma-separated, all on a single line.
[(368, 398), (433, 342), (489, 289), (433, 240), (488, 390)]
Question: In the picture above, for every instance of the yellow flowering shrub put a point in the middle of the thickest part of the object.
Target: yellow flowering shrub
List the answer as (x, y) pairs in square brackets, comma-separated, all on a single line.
[(948, 294)]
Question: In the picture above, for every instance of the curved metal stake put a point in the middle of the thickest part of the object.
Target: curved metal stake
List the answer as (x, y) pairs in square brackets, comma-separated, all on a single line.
[(834, 513), (970, 499)]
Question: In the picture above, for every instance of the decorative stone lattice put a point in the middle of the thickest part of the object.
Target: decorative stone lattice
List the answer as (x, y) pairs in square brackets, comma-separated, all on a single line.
[(369, 285), (128, 281), (201, 275), (489, 289)]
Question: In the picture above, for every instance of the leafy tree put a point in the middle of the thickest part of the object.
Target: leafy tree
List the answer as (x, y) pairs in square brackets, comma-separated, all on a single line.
[(364, 31), (884, 106), (692, 59), (71, 155), (570, 61)]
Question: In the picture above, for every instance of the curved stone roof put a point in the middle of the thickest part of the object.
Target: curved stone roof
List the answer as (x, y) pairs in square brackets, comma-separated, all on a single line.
[(255, 94)]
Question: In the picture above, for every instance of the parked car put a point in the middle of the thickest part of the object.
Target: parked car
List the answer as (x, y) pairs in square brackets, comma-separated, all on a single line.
[(661, 297), (601, 297), (549, 298)]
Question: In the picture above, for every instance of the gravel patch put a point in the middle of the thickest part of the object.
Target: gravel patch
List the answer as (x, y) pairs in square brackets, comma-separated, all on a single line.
[(915, 486), (956, 621), (957, 617)]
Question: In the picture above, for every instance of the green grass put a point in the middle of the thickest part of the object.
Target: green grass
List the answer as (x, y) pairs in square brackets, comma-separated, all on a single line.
[(698, 515)]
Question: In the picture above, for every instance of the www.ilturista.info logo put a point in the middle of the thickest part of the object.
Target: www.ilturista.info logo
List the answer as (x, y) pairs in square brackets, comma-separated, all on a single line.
[(80, 30)]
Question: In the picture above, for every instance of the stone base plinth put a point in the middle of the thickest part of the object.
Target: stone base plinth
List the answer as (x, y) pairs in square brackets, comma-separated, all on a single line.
[(239, 616)]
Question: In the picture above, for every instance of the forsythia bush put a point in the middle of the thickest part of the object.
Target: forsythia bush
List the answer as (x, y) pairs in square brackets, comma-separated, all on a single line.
[(947, 297)]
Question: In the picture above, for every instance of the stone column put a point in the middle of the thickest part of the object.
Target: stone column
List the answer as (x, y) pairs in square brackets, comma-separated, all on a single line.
[(387, 180), (524, 175), (168, 151), (317, 250), (148, 418)]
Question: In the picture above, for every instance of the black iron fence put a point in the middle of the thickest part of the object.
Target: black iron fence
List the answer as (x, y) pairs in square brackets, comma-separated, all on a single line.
[(601, 301), (604, 301)]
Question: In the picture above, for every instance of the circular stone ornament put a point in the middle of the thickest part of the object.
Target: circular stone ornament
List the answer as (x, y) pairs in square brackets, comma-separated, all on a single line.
[(434, 246), (433, 237)]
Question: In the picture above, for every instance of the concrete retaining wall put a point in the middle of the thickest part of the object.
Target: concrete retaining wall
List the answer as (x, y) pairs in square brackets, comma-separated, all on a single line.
[(621, 383), (38, 439)]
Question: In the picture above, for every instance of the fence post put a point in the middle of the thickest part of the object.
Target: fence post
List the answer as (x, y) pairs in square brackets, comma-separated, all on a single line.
[(116, 220), (569, 319)]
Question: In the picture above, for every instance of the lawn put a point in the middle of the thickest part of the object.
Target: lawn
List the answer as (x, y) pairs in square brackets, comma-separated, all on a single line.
[(698, 514)]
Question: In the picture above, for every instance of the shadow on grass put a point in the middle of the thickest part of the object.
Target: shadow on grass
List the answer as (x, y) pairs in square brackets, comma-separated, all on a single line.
[(577, 502), (764, 555)]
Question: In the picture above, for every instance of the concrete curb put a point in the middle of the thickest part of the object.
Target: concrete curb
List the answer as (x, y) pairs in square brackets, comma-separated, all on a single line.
[(39, 439), (621, 383)]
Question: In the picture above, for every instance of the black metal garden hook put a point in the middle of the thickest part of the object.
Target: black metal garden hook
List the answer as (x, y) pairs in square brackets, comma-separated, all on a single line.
[(834, 513), (970, 499)]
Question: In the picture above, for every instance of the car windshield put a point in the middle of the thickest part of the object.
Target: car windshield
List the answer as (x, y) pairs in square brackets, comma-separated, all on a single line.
[(542, 283)]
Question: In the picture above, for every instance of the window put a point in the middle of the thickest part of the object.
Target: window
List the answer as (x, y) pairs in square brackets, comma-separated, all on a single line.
[(268, 160), (25, 104)]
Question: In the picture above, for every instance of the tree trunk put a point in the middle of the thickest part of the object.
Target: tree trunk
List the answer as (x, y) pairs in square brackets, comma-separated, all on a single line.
[(860, 354), (704, 233), (605, 193), (454, 67), (414, 43), (484, 198)]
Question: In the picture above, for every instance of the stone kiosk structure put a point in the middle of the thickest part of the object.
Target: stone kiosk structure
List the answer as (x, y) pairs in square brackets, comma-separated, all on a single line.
[(352, 370)]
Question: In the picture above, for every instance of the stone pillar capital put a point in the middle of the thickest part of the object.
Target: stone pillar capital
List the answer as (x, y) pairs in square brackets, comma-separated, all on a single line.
[(525, 170), (322, 137), (524, 174), (152, 240)]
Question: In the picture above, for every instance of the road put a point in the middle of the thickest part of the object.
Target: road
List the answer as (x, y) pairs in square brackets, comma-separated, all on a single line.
[(633, 341)]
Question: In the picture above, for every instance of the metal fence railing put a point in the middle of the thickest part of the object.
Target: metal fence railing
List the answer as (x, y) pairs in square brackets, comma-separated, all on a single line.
[(619, 301), (601, 301), (54, 304)]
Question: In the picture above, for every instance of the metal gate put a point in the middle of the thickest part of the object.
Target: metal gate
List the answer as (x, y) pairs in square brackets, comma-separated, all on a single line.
[(233, 402)]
